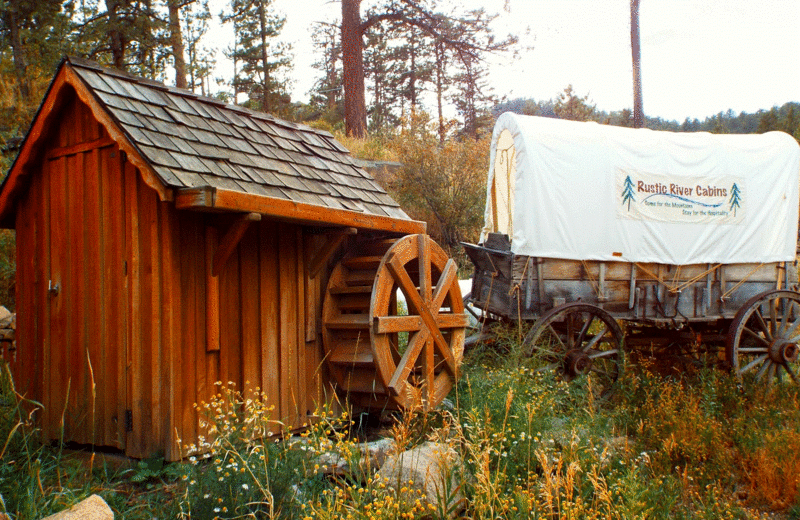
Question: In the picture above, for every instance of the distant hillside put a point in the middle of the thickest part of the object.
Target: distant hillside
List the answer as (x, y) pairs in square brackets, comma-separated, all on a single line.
[(785, 118)]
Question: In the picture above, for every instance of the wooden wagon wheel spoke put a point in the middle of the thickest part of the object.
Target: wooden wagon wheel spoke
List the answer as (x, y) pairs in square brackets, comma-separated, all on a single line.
[(762, 324), (596, 339), (763, 338), (752, 364), (787, 313), (605, 353), (754, 335), (791, 373)]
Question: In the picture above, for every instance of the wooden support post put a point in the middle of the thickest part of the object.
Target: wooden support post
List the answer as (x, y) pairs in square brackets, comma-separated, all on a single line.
[(632, 288), (231, 240), (333, 241)]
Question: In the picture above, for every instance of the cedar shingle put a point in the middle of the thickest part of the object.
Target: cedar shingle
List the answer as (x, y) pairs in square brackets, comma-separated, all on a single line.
[(194, 141)]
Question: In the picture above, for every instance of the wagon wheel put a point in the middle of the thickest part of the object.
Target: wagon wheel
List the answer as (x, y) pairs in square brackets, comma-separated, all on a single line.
[(763, 338), (576, 340), (378, 356)]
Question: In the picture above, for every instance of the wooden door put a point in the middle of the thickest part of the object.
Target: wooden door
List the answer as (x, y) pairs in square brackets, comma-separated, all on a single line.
[(85, 277)]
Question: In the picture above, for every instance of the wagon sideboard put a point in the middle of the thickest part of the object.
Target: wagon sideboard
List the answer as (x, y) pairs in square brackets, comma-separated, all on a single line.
[(167, 241), (524, 287)]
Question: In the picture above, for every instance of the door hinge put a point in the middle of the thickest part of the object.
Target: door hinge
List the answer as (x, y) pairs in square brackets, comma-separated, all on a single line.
[(128, 420)]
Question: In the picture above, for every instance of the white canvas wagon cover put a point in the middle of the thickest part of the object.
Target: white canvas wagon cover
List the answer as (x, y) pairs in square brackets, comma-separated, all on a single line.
[(586, 191)]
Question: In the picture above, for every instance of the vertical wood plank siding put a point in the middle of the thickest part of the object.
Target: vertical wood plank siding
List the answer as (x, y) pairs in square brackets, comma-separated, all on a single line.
[(127, 330)]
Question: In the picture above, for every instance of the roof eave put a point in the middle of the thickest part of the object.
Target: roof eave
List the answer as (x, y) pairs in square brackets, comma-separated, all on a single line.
[(66, 76), (208, 198)]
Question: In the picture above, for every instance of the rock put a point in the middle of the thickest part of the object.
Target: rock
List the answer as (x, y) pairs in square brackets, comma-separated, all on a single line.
[(92, 508), (371, 457), (433, 469), (5, 318)]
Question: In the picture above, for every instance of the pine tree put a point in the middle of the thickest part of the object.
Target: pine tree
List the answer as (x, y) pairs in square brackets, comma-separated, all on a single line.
[(627, 192), (735, 198), (263, 59)]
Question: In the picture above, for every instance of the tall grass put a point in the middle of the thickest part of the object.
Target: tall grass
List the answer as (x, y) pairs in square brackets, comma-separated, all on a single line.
[(698, 445)]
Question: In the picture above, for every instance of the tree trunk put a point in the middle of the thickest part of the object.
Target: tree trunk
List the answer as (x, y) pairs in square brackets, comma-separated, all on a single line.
[(440, 56), (636, 52), (20, 61), (115, 35), (176, 41), (262, 18), (355, 109)]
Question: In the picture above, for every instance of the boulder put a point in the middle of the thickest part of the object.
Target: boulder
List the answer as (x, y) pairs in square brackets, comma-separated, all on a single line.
[(92, 508), (433, 469)]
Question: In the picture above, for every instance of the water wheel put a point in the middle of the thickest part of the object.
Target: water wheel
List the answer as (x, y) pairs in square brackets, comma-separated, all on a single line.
[(379, 356)]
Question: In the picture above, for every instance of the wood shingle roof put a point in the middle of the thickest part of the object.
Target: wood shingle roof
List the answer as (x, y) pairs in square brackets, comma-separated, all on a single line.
[(193, 141)]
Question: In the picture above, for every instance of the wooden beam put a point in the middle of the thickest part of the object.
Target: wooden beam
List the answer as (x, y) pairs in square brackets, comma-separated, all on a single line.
[(331, 243), (209, 199), (231, 240), (80, 147)]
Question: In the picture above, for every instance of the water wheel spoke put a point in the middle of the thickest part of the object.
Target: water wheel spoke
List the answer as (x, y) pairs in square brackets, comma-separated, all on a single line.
[(445, 282), (409, 359), (402, 278), (753, 364), (423, 261), (393, 324), (422, 369)]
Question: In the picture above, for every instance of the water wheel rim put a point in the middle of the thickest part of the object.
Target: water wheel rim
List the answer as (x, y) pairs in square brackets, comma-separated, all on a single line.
[(435, 324)]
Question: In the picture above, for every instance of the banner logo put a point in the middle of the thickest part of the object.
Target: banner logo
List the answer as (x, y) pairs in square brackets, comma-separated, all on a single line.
[(646, 196)]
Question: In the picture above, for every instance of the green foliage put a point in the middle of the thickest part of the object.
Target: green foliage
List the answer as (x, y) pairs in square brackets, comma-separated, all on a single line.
[(442, 184), (570, 106), (261, 60)]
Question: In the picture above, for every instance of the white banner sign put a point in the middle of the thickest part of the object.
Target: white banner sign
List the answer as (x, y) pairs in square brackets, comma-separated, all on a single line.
[(649, 196)]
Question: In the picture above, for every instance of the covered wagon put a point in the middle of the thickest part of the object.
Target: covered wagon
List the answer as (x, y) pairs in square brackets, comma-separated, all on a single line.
[(680, 237)]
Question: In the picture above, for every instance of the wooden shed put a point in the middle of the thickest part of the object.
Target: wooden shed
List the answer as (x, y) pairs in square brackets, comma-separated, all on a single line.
[(166, 241)]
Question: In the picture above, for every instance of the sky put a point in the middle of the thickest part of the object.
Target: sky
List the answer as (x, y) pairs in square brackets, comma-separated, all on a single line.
[(699, 57)]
